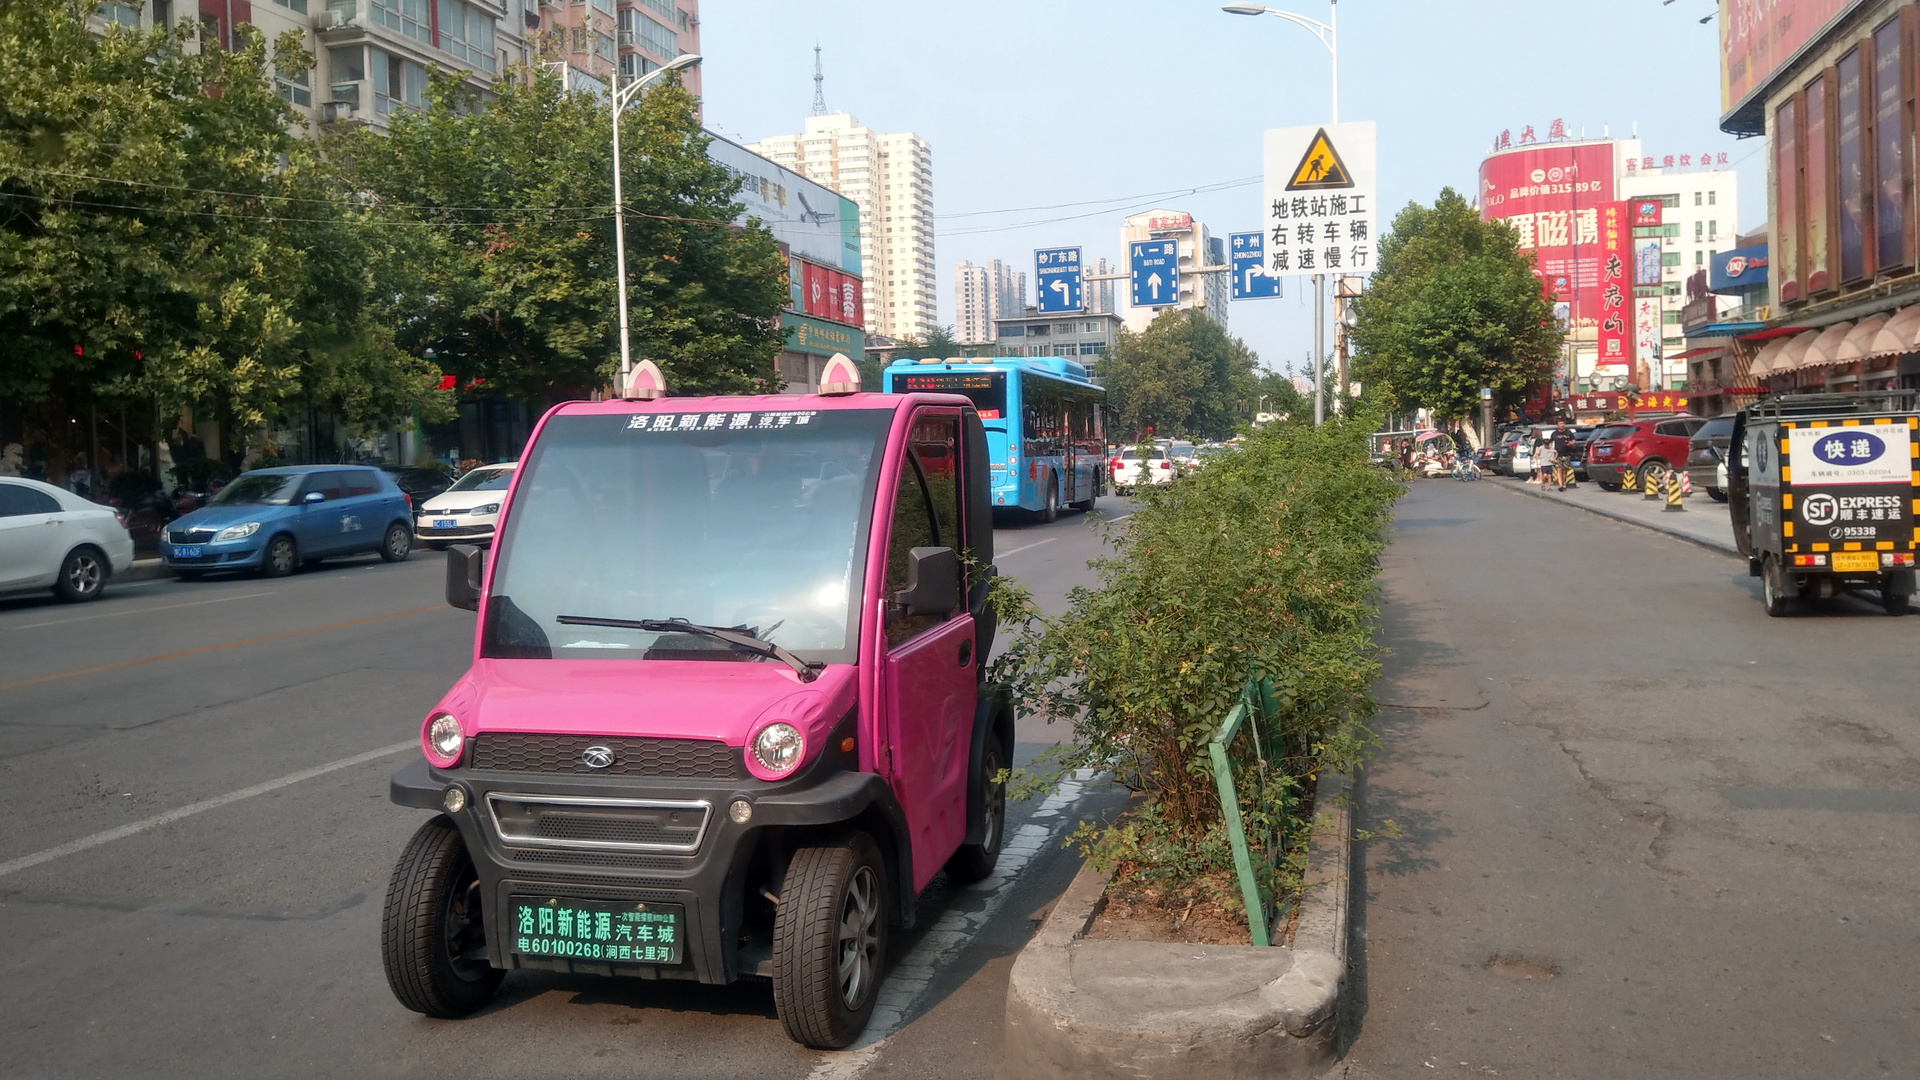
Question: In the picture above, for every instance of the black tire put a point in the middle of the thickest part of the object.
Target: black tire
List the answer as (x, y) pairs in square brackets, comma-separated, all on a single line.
[(1895, 603), (1716, 495), (830, 941), (190, 575), (1050, 513), (435, 546), (1608, 485), (973, 862), (83, 575), (433, 929), (281, 558), (397, 544), (1773, 586)]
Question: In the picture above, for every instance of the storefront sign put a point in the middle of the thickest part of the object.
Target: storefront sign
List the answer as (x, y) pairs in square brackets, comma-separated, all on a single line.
[(1552, 194), (1615, 287), (822, 338), (1739, 268), (826, 293)]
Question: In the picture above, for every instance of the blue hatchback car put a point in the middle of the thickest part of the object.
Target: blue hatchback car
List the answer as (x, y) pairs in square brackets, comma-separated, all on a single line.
[(273, 520)]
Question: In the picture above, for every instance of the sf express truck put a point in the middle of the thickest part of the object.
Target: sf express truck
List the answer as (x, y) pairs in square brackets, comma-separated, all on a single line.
[(1822, 491), (725, 716)]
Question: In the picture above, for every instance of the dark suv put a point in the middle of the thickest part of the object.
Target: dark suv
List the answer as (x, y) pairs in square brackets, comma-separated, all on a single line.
[(1707, 456), (1646, 448)]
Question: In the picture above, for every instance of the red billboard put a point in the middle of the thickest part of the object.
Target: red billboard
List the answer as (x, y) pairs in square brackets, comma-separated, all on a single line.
[(1759, 37), (1615, 294), (1551, 194), (827, 293)]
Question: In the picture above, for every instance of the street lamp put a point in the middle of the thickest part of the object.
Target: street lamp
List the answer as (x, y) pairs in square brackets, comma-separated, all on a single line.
[(622, 97), (1328, 34)]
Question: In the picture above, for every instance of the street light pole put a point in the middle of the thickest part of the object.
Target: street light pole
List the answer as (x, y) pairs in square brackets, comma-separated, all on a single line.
[(622, 97), (1328, 34)]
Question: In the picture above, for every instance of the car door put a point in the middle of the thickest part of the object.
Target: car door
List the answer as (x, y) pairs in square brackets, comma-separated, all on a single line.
[(929, 671), (317, 526), (31, 540), (363, 510)]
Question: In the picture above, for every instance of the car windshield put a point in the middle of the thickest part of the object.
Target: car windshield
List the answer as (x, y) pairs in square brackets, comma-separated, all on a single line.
[(1720, 427), (259, 489), (484, 480), (754, 520), (1614, 431)]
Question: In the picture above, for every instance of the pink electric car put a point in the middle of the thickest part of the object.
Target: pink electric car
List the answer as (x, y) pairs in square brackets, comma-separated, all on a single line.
[(725, 717)]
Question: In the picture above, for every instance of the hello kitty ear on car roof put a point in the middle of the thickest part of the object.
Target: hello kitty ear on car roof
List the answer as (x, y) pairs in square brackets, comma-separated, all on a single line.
[(841, 376), (646, 383)]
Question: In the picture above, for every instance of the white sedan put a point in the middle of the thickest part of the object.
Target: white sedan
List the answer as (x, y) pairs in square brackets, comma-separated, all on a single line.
[(52, 538), (467, 512)]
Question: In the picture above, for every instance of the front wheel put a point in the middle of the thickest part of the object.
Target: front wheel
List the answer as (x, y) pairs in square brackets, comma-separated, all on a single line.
[(1050, 513), (829, 941), (433, 934), (1716, 495), (974, 862), (281, 557), (397, 544), (1773, 587), (83, 576)]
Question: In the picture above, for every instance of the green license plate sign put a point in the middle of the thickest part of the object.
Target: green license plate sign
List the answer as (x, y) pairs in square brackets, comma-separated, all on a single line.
[(622, 932)]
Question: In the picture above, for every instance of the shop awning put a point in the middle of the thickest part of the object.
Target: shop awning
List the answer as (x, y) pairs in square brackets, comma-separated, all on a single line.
[(1767, 358), (1793, 357), (1824, 349), (1770, 334), (1859, 341), (1899, 334), (1690, 353)]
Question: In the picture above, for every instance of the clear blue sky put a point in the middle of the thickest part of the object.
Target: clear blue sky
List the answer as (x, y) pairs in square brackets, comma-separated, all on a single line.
[(1047, 102)]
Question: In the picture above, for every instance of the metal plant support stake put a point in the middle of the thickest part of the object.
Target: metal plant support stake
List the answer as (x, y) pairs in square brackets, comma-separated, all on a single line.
[(1256, 697)]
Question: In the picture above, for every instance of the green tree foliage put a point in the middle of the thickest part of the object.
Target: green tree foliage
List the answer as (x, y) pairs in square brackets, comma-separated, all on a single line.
[(1260, 565), (1182, 376), (165, 235), (1453, 307), (517, 284)]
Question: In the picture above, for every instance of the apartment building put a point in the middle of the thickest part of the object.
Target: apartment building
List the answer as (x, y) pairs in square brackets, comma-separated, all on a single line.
[(890, 178), (982, 295), (596, 38), (1198, 248)]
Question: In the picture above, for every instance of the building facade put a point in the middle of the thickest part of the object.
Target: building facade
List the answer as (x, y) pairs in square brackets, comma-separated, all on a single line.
[(890, 178), (1831, 84), (1203, 283), (1085, 336), (596, 39), (971, 323)]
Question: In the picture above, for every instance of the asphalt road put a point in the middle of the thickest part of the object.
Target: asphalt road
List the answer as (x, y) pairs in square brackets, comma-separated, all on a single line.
[(195, 778), (1646, 831)]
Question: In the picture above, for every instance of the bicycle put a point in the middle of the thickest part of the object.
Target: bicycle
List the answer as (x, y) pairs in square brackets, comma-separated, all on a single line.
[(1464, 468)]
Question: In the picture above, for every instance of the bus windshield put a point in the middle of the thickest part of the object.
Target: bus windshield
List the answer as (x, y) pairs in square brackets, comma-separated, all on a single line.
[(986, 389), (737, 524)]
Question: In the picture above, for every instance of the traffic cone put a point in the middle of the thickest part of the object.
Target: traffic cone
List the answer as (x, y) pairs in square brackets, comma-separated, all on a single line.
[(1673, 494), (1652, 488), (1686, 483), (1630, 481)]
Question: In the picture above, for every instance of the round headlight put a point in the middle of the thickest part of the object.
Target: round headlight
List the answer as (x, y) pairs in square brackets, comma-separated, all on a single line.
[(443, 739), (238, 532), (777, 748)]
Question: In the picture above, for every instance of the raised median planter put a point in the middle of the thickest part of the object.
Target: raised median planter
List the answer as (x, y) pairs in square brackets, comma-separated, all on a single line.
[(1084, 1007)]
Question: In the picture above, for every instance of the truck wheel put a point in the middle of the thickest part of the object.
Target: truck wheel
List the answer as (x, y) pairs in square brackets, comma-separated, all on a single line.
[(1716, 495), (1773, 586), (433, 934), (1895, 603), (829, 941), (974, 862)]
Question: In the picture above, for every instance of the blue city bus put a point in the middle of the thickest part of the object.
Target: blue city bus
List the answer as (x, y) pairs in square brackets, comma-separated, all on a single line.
[(1046, 432)]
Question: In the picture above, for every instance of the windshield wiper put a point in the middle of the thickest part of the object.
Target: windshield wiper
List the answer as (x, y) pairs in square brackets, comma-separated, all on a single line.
[(742, 639)]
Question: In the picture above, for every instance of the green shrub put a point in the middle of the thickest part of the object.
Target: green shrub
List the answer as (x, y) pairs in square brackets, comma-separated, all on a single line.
[(1260, 564)]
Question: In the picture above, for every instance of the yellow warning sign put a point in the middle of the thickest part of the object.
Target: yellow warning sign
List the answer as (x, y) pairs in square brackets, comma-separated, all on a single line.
[(1320, 167)]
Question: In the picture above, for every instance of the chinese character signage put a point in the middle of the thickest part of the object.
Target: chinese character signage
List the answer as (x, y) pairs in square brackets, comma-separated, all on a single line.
[(1646, 212), (632, 933), (1552, 194), (1646, 260), (1647, 331), (1613, 290), (824, 292), (1057, 270), (1322, 215)]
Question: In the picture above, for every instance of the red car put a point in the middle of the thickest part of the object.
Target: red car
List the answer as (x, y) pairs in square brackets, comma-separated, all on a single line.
[(1647, 448)]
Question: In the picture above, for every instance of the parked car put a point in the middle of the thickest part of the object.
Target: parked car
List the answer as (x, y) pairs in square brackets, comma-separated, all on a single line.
[(468, 511), (1647, 448), (1582, 439), (1125, 469), (273, 520), (51, 538), (418, 482), (1707, 456), (1505, 450)]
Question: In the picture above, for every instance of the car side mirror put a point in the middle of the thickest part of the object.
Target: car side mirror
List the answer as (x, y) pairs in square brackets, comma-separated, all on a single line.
[(933, 582), (314, 497), (466, 569)]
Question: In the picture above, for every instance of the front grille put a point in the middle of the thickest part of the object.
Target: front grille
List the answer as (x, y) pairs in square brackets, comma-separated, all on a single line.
[(689, 759), (598, 859), (190, 536), (566, 822)]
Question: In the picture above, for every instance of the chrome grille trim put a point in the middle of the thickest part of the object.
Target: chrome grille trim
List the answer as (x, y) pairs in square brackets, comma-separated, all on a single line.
[(581, 814)]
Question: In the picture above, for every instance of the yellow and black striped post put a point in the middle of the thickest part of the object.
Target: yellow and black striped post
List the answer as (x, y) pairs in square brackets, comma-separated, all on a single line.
[(1629, 481), (1652, 486), (1673, 493)]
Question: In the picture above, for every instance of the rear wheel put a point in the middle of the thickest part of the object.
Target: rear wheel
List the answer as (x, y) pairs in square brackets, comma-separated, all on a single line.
[(1894, 601), (975, 861), (829, 941), (1606, 485), (1773, 586), (83, 576), (1717, 495), (281, 557), (433, 934), (1653, 472), (190, 575), (397, 544), (1050, 513)]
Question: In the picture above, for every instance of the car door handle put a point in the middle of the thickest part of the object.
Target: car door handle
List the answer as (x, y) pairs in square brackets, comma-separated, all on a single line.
[(966, 652)]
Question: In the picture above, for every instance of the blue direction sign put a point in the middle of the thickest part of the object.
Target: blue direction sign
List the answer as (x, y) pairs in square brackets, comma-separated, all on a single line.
[(1057, 270), (1155, 268), (1250, 280)]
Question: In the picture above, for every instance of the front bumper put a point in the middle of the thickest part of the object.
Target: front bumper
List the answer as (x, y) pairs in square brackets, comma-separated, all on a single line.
[(711, 882), (230, 555), (423, 528)]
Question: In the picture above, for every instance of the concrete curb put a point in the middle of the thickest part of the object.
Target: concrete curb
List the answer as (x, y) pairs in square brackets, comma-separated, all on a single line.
[(1082, 1008), (1723, 547)]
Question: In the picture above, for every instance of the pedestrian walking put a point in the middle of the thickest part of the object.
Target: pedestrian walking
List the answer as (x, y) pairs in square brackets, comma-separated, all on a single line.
[(1546, 462), (1564, 445)]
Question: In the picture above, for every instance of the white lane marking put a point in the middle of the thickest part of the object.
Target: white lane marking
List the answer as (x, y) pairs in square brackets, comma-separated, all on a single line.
[(141, 611), (951, 933), (74, 847), (1024, 547), (1122, 517)]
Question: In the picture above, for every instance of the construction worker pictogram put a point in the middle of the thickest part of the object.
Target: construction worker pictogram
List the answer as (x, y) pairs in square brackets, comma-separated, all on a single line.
[(1320, 167)]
